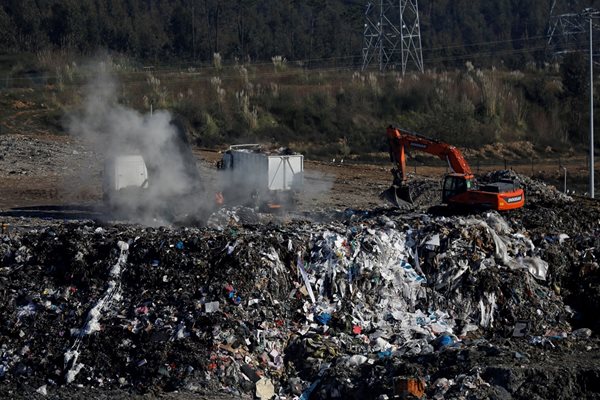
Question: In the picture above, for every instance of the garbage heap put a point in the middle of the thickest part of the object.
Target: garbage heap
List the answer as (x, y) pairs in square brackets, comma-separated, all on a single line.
[(535, 191), (355, 307)]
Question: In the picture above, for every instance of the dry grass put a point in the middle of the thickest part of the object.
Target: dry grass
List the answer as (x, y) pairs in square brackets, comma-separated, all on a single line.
[(340, 111)]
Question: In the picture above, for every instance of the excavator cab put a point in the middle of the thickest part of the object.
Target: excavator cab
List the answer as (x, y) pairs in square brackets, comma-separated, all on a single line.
[(455, 184)]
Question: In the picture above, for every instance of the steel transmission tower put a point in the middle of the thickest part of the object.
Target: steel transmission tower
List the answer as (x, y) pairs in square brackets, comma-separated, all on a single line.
[(391, 28), (567, 28)]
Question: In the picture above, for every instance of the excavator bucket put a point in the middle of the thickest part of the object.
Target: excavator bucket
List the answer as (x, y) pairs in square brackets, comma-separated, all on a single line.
[(398, 196)]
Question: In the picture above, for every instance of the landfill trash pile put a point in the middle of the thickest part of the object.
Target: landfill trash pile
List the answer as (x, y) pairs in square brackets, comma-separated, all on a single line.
[(360, 305), (535, 190), (237, 215)]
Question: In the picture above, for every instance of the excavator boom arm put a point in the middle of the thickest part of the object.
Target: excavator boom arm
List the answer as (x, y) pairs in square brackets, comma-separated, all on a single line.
[(401, 139)]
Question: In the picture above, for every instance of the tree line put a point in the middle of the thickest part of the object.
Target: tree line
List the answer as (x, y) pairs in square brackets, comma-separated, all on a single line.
[(316, 32)]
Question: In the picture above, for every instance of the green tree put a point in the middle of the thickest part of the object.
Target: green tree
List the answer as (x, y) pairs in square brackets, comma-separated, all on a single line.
[(7, 31), (180, 31), (66, 24), (28, 22), (574, 72)]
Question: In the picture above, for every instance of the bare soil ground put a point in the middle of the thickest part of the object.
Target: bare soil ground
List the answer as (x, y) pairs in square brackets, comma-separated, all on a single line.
[(49, 170)]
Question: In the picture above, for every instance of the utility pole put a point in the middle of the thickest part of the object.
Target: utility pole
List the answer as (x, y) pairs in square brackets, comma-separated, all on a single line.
[(591, 115), (565, 35), (392, 27), (590, 13)]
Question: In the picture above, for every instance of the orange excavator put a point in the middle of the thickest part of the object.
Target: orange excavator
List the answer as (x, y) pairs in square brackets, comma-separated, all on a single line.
[(459, 188)]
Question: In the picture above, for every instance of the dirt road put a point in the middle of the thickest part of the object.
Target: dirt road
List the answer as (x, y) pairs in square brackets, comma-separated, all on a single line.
[(57, 171)]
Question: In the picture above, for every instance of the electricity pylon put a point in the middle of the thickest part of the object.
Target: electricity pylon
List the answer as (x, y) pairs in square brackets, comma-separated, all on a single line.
[(392, 27), (567, 28)]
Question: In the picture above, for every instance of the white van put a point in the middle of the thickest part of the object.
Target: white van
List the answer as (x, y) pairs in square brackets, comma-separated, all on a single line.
[(124, 173)]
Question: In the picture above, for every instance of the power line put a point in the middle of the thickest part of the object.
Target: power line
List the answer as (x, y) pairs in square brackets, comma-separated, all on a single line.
[(488, 43), (429, 60), (485, 54), (325, 59)]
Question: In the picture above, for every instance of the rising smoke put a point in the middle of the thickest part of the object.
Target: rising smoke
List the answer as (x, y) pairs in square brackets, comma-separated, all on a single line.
[(113, 129), (175, 192), (317, 186)]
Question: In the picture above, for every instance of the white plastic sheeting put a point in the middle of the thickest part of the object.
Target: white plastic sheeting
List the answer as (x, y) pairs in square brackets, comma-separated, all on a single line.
[(376, 272), (92, 322)]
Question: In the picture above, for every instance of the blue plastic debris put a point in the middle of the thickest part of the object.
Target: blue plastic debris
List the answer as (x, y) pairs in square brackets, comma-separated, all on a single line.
[(309, 390), (232, 294), (324, 318), (384, 354), (443, 341), (411, 273), (236, 299), (179, 245)]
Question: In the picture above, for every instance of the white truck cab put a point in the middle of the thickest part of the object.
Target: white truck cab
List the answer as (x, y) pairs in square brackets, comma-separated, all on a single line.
[(124, 173)]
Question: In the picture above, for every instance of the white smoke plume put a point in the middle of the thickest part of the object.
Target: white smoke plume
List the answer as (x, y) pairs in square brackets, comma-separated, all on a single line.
[(317, 186), (114, 129)]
